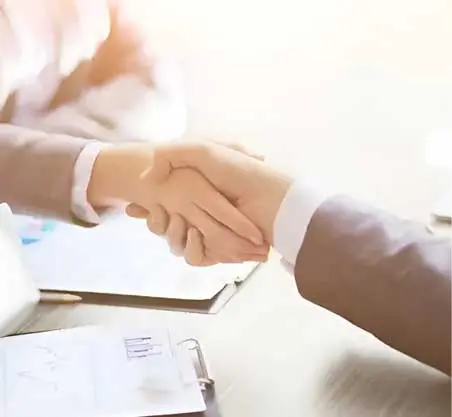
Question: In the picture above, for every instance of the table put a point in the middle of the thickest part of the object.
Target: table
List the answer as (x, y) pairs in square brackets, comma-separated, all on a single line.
[(347, 91)]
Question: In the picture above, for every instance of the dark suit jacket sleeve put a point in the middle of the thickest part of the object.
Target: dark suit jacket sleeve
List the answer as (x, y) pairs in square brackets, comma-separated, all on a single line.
[(36, 170), (385, 275)]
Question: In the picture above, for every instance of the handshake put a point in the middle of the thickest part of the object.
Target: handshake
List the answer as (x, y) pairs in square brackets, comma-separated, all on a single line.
[(214, 203)]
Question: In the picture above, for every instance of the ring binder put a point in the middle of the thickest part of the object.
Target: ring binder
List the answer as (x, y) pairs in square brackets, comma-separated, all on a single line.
[(192, 345)]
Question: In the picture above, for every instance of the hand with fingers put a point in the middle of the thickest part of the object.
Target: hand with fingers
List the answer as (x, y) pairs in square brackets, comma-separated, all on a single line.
[(256, 190), (140, 175)]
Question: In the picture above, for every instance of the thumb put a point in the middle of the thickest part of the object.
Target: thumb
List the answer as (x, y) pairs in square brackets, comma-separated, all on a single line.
[(227, 169), (160, 168), (240, 148)]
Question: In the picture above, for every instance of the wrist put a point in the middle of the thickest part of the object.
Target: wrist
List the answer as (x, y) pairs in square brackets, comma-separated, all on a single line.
[(116, 174)]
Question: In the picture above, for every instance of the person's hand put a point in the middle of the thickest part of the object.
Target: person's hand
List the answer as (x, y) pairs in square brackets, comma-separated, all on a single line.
[(256, 190), (184, 194)]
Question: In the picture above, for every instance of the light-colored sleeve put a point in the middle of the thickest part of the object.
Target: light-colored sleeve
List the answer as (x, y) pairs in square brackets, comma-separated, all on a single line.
[(83, 170), (294, 216)]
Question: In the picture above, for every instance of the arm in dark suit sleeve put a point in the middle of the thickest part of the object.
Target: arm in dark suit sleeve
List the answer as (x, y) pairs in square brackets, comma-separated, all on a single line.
[(387, 276), (36, 170)]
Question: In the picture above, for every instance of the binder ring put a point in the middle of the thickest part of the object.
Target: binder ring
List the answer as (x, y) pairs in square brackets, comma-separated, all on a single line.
[(193, 345)]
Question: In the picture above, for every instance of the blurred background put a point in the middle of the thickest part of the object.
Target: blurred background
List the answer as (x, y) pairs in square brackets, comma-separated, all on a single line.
[(355, 88)]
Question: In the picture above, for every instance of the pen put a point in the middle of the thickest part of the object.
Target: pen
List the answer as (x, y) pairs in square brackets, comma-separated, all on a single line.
[(59, 298)]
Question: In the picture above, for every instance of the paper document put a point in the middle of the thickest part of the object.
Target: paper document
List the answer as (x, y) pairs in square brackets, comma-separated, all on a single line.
[(93, 372), (18, 293), (121, 256)]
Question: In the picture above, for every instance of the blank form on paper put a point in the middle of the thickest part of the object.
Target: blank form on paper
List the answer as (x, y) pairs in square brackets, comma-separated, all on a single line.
[(96, 372)]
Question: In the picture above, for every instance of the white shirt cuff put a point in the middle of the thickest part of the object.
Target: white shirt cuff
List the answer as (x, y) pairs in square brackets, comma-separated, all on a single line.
[(82, 175), (293, 218)]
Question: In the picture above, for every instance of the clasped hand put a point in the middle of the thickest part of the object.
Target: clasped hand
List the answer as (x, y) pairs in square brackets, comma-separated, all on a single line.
[(215, 204)]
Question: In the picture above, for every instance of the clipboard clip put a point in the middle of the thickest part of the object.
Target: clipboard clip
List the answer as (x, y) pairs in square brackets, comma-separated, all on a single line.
[(194, 347)]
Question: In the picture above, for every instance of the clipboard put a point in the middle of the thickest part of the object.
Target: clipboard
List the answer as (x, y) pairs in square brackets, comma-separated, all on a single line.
[(209, 306), (137, 270), (206, 382)]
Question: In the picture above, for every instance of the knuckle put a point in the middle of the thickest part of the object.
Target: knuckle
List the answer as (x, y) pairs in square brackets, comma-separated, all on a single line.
[(178, 222), (175, 250), (177, 226), (194, 258), (155, 226), (190, 261)]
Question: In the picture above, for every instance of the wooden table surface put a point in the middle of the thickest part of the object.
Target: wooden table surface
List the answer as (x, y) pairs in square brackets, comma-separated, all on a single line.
[(343, 90)]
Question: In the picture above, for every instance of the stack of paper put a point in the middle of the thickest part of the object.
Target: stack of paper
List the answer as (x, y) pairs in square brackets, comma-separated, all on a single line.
[(18, 295)]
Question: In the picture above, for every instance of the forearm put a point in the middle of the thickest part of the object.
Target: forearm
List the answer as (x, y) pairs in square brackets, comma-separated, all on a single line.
[(389, 277), (36, 170)]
